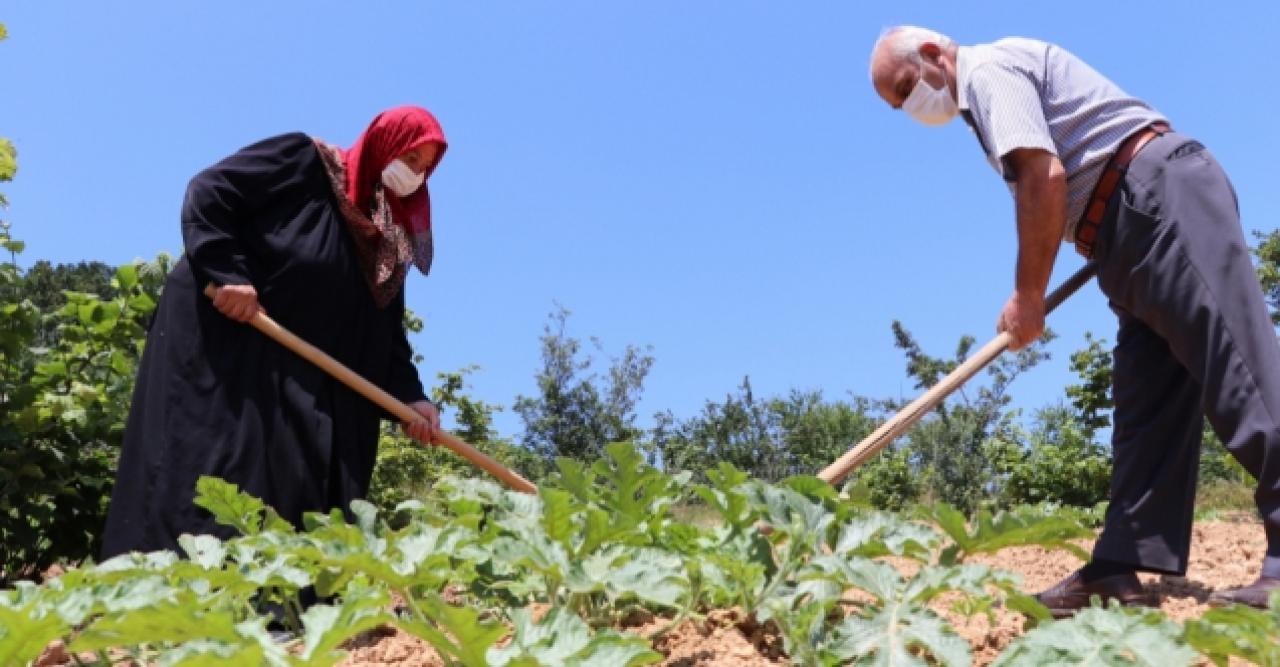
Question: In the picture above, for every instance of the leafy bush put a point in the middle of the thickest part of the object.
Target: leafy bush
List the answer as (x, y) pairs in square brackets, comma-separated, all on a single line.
[(62, 410), (1059, 464), (887, 481)]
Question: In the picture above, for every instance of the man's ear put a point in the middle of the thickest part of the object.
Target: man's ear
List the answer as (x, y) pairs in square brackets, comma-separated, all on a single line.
[(931, 52)]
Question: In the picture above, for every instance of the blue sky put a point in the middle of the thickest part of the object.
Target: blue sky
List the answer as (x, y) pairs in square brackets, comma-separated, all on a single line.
[(714, 179)]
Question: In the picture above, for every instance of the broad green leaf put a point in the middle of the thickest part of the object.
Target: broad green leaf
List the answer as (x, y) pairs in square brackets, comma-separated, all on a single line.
[(209, 653), (229, 506), (254, 632), (810, 487), (278, 571), (881, 534), (990, 533), (558, 510), (454, 631), (22, 638), (426, 555), (1238, 631), (651, 575), (366, 516), (206, 551), (174, 623), (126, 277), (141, 303), (151, 561), (633, 488), (576, 479), (790, 513), (806, 635), (612, 649), (534, 550), (898, 633), (1097, 636), (551, 641), (561, 638), (362, 608)]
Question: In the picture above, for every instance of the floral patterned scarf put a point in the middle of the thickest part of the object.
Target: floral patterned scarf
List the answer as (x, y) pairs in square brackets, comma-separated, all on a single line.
[(383, 247)]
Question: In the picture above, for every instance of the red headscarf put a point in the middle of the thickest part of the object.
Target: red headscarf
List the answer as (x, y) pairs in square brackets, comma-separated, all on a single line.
[(393, 133)]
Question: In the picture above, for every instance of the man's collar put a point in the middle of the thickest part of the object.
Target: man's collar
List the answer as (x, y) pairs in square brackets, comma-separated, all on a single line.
[(963, 57)]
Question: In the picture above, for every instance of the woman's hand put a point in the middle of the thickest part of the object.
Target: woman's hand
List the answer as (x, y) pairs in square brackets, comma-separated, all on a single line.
[(423, 430), (239, 302)]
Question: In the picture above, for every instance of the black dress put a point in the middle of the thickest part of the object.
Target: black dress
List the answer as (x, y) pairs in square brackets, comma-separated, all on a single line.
[(217, 397)]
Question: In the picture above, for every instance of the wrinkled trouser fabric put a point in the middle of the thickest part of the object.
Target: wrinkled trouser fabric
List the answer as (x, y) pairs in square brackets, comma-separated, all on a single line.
[(1195, 340)]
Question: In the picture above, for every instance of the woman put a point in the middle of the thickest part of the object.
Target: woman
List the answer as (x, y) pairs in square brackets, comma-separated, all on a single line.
[(321, 239)]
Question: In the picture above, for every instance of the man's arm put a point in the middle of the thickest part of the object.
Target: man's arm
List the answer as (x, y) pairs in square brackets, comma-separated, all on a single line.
[(1040, 194)]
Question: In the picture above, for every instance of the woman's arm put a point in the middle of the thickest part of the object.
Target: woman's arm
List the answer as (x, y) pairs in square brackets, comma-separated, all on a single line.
[(403, 381)]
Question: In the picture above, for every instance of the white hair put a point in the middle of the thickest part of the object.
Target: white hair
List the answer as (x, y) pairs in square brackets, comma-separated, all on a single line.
[(903, 42)]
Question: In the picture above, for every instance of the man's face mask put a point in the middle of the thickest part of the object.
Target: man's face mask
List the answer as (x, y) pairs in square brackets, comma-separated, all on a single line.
[(929, 105)]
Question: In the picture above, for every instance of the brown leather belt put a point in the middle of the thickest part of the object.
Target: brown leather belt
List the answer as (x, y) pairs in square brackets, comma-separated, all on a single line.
[(1087, 230)]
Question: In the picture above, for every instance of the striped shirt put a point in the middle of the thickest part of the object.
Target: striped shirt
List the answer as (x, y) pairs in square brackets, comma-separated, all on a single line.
[(1023, 93)]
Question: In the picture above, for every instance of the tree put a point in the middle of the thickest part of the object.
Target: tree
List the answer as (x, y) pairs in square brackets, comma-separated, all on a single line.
[(816, 432), (1060, 463), (740, 431), (1092, 398), (45, 286), (576, 413), (952, 451), (770, 438), (1268, 268), (8, 154)]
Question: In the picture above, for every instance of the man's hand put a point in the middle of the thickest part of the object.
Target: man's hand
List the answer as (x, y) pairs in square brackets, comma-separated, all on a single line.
[(239, 302), (426, 429), (1023, 318)]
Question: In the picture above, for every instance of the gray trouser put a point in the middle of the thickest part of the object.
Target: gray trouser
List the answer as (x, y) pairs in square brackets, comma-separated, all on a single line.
[(1195, 340)]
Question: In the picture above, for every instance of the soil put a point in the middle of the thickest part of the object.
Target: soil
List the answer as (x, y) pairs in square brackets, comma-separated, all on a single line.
[(1224, 554)]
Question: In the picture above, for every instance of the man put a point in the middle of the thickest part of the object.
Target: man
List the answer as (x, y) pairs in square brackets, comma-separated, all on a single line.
[(1090, 165)]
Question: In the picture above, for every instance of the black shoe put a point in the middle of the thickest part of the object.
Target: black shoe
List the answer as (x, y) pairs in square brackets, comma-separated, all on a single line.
[(1072, 594), (1257, 594)]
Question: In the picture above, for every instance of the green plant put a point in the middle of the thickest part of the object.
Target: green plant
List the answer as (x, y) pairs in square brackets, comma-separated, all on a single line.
[(575, 412), (62, 410), (1097, 636), (1059, 463), (472, 563), (1240, 632)]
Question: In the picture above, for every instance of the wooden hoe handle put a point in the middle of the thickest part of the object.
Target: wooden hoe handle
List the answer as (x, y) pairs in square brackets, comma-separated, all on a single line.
[(384, 400), (915, 410)]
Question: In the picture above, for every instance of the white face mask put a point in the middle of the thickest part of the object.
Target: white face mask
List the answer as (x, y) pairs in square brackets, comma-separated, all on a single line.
[(400, 179), (929, 105)]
